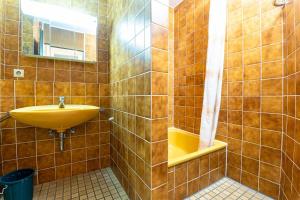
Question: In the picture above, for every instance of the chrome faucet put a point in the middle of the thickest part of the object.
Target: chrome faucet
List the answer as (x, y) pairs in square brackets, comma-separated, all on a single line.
[(61, 102)]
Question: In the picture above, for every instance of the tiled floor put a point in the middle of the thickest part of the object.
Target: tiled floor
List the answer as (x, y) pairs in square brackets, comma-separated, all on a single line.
[(228, 189), (103, 185), (100, 184)]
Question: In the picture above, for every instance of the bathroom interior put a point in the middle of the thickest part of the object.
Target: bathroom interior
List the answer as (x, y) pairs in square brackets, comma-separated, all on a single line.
[(152, 99)]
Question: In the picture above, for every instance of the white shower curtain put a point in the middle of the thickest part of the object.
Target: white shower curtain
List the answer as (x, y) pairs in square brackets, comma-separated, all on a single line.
[(214, 72)]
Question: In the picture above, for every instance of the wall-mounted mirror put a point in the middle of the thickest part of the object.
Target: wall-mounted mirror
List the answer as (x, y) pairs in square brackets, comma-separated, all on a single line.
[(61, 29)]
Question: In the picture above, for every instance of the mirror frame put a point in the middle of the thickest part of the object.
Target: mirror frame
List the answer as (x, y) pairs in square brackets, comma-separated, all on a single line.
[(56, 58)]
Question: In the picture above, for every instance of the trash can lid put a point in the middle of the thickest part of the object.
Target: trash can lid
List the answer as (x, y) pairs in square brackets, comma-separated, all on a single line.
[(16, 176)]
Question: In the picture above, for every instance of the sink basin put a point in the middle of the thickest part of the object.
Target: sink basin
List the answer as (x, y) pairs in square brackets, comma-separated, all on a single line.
[(52, 117)]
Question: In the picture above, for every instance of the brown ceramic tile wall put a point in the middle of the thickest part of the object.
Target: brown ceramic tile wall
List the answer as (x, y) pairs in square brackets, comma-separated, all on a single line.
[(290, 172), (160, 56), (130, 89), (1, 32), (191, 22), (171, 68), (1, 61), (250, 119), (188, 178), (45, 80), (139, 79)]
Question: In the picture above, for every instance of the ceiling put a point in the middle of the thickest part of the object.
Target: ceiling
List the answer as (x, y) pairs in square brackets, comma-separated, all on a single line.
[(174, 3)]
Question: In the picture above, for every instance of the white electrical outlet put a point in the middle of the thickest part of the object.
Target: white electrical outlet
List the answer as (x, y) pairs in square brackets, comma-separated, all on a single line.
[(281, 2), (19, 73)]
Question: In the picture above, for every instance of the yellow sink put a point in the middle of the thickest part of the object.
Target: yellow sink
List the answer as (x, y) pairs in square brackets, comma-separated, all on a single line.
[(55, 118)]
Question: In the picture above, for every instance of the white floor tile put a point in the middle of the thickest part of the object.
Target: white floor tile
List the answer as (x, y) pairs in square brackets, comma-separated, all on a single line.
[(100, 184), (228, 189)]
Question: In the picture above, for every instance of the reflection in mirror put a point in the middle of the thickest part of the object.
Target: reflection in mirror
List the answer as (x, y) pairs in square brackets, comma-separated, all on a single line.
[(63, 29)]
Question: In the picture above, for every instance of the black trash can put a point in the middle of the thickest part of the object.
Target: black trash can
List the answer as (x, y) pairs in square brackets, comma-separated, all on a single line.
[(18, 185)]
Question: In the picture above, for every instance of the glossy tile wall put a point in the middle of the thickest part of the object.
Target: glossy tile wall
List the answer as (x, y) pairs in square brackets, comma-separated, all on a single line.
[(130, 63), (171, 68), (190, 30), (160, 45), (251, 117), (139, 80), (1, 32), (188, 178), (290, 172), (45, 80), (1, 61)]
